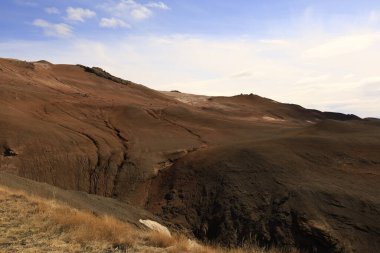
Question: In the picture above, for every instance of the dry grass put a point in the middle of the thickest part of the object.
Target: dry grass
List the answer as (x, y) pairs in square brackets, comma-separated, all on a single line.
[(86, 227), (31, 224), (160, 240)]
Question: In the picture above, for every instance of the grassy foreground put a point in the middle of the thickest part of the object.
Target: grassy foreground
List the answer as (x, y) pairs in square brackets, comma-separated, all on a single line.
[(32, 224)]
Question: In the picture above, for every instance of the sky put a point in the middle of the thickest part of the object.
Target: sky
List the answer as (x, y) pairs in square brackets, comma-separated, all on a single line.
[(321, 54)]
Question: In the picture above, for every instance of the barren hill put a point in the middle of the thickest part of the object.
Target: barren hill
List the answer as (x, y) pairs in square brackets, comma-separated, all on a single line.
[(225, 169)]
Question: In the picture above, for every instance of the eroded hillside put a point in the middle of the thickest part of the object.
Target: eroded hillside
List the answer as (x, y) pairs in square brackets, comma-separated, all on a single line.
[(225, 169)]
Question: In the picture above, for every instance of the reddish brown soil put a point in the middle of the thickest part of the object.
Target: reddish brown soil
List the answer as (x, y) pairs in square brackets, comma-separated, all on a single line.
[(227, 169)]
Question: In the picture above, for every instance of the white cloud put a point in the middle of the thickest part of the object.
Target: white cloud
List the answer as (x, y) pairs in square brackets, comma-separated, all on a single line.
[(158, 5), (113, 23), (141, 12), (79, 14), (52, 10), (133, 10), (343, 45), (55, 30)]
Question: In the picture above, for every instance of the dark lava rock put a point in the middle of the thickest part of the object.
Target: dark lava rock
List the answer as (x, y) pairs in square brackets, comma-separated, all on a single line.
[(9, 152), (104, 74)]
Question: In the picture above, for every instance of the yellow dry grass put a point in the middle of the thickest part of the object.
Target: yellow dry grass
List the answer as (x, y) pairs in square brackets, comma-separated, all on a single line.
[(31, 224)]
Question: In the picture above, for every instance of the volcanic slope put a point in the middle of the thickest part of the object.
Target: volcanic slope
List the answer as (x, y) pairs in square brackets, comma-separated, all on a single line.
[(226, 169)]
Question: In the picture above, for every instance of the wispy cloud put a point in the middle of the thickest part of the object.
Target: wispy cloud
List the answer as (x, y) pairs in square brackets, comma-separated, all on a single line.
[(79, 14), (140, 13), (133, 10), (158, 5), (60, 30), (51, 10), (242, 74), (113, 23), (343, 45)]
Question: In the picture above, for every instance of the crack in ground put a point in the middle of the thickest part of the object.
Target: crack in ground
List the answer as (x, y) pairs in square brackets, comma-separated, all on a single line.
[(94, 173), (126, 160), (169, 162), (94, 177)]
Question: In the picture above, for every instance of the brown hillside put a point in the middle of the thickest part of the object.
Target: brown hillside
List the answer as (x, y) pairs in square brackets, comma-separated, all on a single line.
[(225, 169)]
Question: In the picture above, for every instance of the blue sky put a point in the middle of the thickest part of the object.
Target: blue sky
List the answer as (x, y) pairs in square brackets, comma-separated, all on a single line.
[(322, 54)]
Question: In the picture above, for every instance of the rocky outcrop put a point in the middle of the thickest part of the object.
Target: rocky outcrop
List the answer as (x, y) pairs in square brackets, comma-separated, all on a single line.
[(104, 74)]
